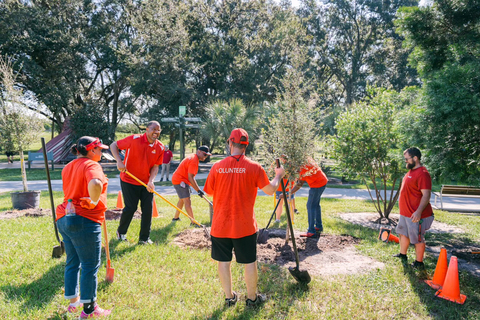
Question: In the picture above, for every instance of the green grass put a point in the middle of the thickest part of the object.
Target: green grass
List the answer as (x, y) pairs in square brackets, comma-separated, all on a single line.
[(164, 281)]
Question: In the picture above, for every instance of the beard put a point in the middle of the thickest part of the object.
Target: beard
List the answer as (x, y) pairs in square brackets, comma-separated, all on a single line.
[(410, 166)]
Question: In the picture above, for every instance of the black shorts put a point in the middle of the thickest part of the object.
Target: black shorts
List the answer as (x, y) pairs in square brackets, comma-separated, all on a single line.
[(245, 249)]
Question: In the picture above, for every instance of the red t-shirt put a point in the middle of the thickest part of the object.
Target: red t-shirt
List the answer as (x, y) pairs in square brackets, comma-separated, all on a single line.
[(287, 186), (410, 194), (76, 175), (188, 165), (167, 156), (313, 175), (140, 157), (233, 184)]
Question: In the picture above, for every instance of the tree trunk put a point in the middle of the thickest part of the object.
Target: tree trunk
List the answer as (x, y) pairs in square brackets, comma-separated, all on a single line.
[(24, 173)]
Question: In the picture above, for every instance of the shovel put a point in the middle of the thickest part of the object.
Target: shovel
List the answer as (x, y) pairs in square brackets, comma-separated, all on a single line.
[(180, 210), (300, 276), (211, 208), (263, 233), (59, 250), (110, 270)]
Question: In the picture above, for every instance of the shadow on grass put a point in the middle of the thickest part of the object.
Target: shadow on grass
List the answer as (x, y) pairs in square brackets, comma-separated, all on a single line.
[(273, 281), (38, 293)]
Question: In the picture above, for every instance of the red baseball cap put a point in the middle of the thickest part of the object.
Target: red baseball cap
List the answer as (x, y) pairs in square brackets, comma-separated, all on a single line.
[(237, 135), (94, 144)]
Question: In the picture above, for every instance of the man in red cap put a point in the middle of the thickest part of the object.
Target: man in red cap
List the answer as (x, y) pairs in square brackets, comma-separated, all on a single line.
[(233, 183), (144, 155), (184, 177)]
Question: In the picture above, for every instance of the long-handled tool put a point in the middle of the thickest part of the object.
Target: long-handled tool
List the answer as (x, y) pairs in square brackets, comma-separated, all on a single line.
[(211, 207), (300, 276), (164, 199), (263, 233), (59, 250), (110, 270)]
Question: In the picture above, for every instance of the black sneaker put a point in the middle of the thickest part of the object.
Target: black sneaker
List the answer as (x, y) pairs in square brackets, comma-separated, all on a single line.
[(121, 237), (176, 219), (231, 302), (167, 179), (261, 298), (161, 179), (296, 211), (420, 266), (401, 256), (143, 242)]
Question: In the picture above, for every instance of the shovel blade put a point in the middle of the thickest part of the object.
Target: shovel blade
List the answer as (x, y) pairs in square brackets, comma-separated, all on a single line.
[(110, 274), (58, 251), (300, 276), (263, 236)]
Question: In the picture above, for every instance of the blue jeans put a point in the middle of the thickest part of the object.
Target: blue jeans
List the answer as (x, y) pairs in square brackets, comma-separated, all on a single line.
[(83, 243), (314, 209)]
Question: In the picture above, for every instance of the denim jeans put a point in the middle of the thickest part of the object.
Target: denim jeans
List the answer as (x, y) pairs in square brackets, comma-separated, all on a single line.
[(83, 243), (314, 209)]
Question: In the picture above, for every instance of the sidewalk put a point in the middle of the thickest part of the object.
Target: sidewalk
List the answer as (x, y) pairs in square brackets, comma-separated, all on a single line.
[(449, 204)]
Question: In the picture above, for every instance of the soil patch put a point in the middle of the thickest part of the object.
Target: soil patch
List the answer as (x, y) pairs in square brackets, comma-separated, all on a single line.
[(327, 255), (467, 258)]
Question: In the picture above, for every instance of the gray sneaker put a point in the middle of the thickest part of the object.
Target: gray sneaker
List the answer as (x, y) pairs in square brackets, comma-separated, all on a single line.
[(121, 237), (231, 302), (143, 242), (261, 298)]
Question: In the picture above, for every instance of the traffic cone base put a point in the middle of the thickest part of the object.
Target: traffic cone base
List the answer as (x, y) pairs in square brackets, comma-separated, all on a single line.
[(154, 209), (440, 271), (386, 236), (120, 205), (451, 286)]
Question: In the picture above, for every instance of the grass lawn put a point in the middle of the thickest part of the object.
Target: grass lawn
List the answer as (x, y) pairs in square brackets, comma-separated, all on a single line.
[(40, 174), (163, 281)]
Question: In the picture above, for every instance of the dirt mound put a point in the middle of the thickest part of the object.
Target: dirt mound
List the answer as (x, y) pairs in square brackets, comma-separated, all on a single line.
[(327, 255), (35, 212)]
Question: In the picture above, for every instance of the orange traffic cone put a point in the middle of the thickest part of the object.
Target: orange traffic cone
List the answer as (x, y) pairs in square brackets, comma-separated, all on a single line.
[(386, 235), (154, 209), (440, 271), (451, 286), (119, 201)]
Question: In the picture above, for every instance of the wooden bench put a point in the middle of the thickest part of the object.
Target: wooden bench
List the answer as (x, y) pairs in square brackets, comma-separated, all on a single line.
[(457, 192), (38, 156)]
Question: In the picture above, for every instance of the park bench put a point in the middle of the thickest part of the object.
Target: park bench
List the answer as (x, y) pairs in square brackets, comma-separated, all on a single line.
[(38, 156), (457, 192)]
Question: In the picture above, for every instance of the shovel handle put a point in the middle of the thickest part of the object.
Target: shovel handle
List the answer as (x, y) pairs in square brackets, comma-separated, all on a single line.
[(163, 198), (297, 260)]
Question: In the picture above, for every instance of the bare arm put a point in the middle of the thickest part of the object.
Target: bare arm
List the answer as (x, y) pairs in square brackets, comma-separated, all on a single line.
[(273, 186), (193, 182), (153, 174), (95, 187), (416, 216), (116, 154)]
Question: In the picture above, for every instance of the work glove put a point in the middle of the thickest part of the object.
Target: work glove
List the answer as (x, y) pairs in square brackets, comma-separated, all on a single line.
[(200, 193), (87, 203)]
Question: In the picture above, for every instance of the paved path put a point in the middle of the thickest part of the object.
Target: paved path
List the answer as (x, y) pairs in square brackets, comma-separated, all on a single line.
[(449, 204)]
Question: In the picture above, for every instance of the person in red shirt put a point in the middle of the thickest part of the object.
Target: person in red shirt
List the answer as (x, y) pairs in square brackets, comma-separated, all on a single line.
[(85, 192), (233, 183), (317, 181), (416, 214), (184, 177), (143, 156), (167, 158)]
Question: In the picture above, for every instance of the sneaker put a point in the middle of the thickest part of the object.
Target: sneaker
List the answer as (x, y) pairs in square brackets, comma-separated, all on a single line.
[(161, 179), (261, 298), (121, 237), (296, 211), (401, 256), (308, 235), (167, 179), (142, 242), (277, 221), (318, 230), (97, 313), (73, 309), (230, 302), (176, 219), (420, 266)]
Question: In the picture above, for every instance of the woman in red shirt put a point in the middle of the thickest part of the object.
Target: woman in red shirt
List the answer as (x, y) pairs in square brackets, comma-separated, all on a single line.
[(79, 218)]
